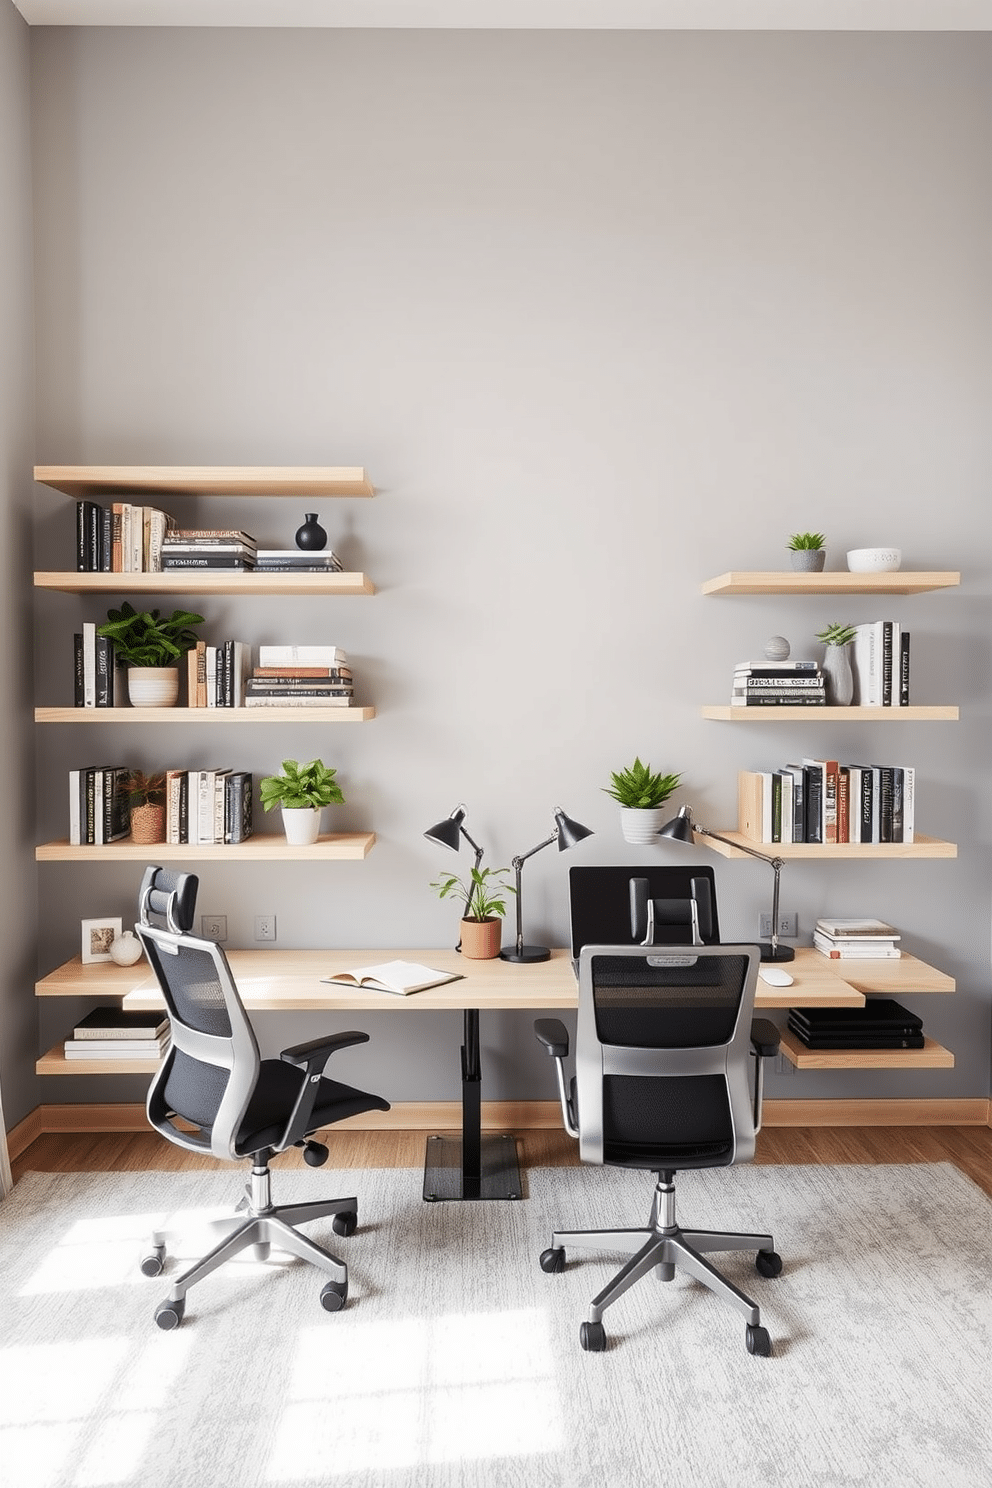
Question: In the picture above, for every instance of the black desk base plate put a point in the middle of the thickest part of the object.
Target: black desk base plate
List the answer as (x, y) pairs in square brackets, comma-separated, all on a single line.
[(500, 1171)]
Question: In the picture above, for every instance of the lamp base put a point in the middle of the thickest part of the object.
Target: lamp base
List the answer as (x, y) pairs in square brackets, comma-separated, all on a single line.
[(526, 953), (776, 953)]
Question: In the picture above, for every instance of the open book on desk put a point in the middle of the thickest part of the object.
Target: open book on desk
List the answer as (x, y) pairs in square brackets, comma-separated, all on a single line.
[(399, 977)]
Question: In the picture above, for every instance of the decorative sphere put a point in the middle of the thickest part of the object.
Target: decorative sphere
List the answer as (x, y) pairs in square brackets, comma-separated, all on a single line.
[(126, 949), (777, 648)]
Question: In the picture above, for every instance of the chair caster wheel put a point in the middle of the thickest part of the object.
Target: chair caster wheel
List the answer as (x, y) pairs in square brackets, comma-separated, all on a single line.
[(169, 1315), (334, 1295), (553, 1259), (153, 1264), (768, 1262), (261, 1250), (758, 1341), (345, 1223), (592, 1337), (314, 1154)]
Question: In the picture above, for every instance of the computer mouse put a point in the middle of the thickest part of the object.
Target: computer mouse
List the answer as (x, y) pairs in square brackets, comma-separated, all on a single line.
[(775, 976)]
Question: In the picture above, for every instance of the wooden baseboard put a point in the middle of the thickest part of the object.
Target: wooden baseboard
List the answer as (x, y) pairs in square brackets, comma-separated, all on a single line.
[(527, 1115)]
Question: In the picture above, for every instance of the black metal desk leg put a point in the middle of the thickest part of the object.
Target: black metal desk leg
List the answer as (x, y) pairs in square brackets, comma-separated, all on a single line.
[(471, 1166)]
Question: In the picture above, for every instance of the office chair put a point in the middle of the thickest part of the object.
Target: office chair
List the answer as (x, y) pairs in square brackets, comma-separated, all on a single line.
[(664, 1042), (213, 1093)]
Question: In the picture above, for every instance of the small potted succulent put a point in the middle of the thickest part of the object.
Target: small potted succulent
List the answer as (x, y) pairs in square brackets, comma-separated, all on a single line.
[(838, 674), (302, 791), (152, 645), (483, 897), (806, 551), (146, 798), (641, 792)]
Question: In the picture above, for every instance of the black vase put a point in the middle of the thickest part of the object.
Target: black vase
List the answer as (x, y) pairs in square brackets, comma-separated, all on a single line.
[(311, 536)]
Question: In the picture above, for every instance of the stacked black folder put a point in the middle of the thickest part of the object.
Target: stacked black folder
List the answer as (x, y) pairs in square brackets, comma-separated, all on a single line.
[(882, 1023)]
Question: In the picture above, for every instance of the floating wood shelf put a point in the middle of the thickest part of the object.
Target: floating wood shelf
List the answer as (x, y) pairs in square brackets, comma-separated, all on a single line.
[(81, 481), (206, 581), (830, 583), (727, 713), (264, 848), (931, 1056), (209, 716), (55, 1063), (922, 847)]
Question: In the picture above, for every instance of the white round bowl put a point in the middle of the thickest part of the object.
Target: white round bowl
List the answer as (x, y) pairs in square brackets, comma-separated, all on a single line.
[(874, 560)]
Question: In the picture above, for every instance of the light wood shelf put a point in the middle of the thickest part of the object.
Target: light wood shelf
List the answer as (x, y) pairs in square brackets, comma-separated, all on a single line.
[(83, 481), (206, 581), (727, 713), (900, 582), (258, 849), (922, 847), (209, 716), (931, 1056), (55, 1063)]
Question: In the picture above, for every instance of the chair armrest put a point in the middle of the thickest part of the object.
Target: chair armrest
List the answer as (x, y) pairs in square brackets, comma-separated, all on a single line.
[(765, 1038), (553, 1035), (311, 1058)]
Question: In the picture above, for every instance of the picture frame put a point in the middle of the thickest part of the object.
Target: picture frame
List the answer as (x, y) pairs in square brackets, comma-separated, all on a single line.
[(98, 936)]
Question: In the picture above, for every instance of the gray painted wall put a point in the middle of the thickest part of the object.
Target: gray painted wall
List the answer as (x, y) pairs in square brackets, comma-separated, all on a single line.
[(604, 314)]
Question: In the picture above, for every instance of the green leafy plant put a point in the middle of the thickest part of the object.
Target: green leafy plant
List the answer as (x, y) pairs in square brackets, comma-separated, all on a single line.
[(299, 785), (144, 638), (836, 635), (482, 893), (145, 790), (801, 540), (640, 787)]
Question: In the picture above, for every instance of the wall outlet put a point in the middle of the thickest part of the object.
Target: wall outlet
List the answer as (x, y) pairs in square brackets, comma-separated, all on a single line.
[(787, 925), (213, 927), (265, 927)]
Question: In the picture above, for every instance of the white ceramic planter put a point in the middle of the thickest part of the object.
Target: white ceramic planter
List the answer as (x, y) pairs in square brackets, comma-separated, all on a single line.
[(301, 824), (153, 687), (640, 823)]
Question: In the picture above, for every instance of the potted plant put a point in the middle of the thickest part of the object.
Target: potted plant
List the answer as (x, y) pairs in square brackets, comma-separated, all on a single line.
[(806, 551), (146, 798), (641, 792), (483, 897), (838, 674), (152, 646), (302, 791)]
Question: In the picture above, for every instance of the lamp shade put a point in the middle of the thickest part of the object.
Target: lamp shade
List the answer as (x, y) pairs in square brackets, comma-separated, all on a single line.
[(569, 832), (680, 828), (448, 832)]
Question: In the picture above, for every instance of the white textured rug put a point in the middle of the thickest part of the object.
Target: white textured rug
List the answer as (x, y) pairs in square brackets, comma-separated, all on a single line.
[(457, 1363)]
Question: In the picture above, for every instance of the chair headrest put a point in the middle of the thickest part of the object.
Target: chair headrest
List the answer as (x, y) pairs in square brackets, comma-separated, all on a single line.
[(168, 899)]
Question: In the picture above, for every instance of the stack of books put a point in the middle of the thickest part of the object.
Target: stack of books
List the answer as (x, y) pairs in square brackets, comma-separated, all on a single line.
[(300, 677), (208, 547), (819, 800), (880, 664), (216, 675), (770, 684), (296, 560), (209, 806), (112, 1033), (124, 537), (882, 1023), (856, 940), (99, 808)]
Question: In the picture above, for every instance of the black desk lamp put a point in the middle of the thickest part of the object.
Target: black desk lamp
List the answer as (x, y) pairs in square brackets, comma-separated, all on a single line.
[(449, 833), (566, 833), (681, 829)]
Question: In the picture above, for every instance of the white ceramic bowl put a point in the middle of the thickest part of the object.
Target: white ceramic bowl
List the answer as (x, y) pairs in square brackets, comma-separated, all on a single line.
[(874, 560)]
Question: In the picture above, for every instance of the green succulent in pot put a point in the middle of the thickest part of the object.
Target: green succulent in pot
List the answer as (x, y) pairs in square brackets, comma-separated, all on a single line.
[(300, 786), (801, 542), (640, 787)]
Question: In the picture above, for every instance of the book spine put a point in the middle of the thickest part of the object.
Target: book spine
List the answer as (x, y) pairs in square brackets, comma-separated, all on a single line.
[(904, 668), (104, 658), (843, 804), (78, 685), (813, 782), (74, 818), (106, 539), (221, 560), (89, 664), (750, 804)]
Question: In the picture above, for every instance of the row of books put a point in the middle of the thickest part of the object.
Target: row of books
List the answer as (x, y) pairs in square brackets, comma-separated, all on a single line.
[(882, 1023), (208, 806), (222, 677), (771, 684), (99, 809), (216, 674), (123, 537), (880, 663), (816, 800), (233, 548), (856, 939), (99, 678), (112, 1033)]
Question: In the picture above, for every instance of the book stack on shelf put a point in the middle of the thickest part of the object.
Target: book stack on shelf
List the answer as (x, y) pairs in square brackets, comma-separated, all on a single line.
[(208, 806), (856, 939), (300, 676), (297, 560), (216, 675), (880, 664), (98, 805), (828, 801), (99, 673), (124, 537), (882, 1023), (112, 1033), (208, 547), (771, 684)]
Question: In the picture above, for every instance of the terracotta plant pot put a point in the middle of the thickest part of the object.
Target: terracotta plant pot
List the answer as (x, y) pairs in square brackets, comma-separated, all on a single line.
[(481, 939), (147, 824)]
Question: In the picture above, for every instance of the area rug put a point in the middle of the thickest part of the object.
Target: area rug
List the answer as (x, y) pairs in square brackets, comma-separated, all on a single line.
[(457, 1364)]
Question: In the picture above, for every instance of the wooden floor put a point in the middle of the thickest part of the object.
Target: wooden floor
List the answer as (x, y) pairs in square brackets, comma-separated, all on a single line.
[(968, 1147)]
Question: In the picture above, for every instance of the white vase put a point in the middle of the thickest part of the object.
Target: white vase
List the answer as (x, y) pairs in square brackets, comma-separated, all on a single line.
[(301, 824), (152, 687), (640, 823), (126, 949)]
